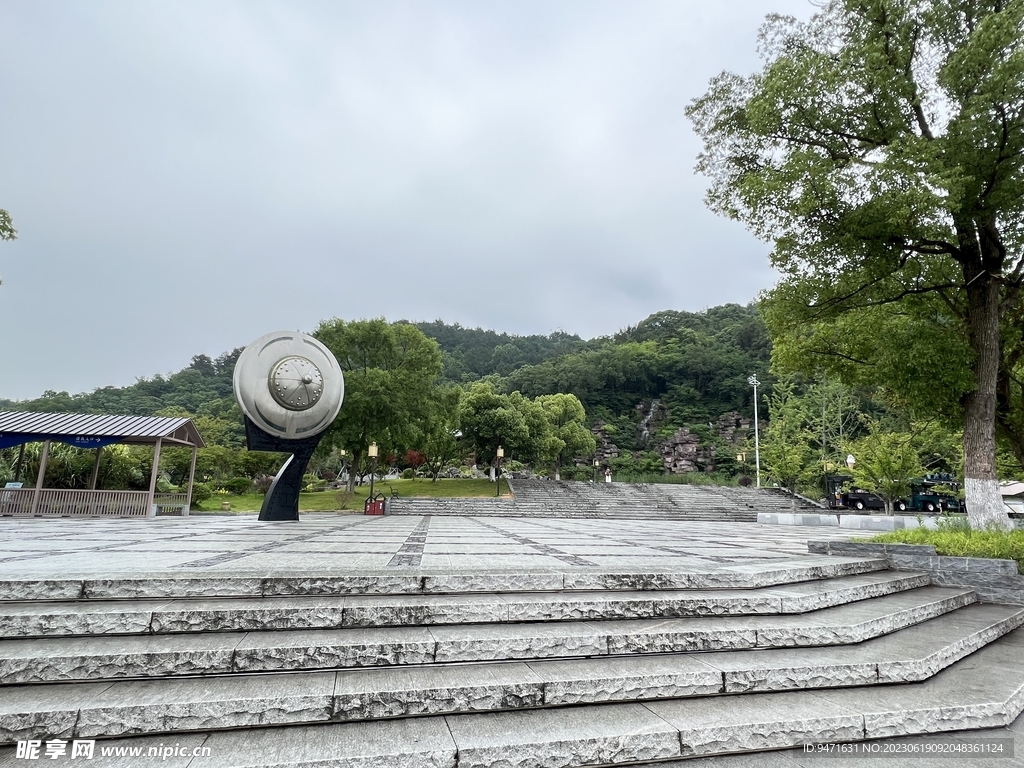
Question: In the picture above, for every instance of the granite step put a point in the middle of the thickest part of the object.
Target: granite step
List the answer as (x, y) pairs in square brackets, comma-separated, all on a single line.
[(93, 617), (984, 690), (109, 657), (103, 710), (211, 583)]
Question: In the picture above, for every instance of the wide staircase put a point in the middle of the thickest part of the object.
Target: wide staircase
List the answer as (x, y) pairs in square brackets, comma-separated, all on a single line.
[(489, 669), (550, 498)]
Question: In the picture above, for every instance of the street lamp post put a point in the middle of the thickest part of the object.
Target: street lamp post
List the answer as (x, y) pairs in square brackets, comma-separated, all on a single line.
[(752, 381), (597, 463), (500, 453), (343, 472), (372, 453)]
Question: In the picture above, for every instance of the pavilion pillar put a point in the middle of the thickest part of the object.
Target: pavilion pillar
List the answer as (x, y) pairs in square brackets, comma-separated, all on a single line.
[(95, 470), (153, 475), (42, 475), (191, 482), (17, 467)]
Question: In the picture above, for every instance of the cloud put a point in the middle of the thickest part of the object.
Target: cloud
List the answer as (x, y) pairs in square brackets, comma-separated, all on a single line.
[(187, 176)]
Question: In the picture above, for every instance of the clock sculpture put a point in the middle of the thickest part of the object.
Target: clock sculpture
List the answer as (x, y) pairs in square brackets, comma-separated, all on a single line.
[(289, 387)]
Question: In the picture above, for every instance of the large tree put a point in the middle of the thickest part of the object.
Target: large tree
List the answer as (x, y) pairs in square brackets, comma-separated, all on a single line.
[(440, 442), (489, 419), (390, 370), (569, 436), (881, 150), (786, 451)]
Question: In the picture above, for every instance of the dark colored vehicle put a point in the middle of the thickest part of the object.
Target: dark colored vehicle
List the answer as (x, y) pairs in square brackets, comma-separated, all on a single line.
[(839, 496), (924, 497)]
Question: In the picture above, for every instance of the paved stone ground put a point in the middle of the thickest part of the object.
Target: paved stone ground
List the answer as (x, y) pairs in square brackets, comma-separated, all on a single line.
[(226, 544), (61, 547)]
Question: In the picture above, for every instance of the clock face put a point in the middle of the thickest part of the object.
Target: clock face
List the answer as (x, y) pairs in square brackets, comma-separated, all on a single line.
[(296, 383)]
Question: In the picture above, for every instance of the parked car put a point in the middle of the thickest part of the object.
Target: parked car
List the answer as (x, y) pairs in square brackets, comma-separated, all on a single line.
[(842, 496), (930, 495)]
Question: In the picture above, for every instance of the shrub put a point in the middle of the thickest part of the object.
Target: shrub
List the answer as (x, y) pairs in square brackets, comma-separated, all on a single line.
[(200, 492), (955, 539), (238, 485), (409, 473)]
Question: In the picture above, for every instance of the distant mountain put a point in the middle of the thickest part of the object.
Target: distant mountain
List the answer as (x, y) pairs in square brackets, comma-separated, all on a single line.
[(695, 364)]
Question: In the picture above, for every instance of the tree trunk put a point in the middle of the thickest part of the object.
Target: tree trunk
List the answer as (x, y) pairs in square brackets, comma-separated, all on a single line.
[(492, 473), (984, 502), (352, 471)]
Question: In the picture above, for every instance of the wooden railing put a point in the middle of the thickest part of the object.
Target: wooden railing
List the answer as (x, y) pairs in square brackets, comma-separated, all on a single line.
[(64, 503), (16, 501), (165, 501)]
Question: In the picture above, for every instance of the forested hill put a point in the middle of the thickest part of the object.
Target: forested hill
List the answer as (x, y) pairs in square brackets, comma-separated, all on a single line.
[(695, 363), (472, 353)]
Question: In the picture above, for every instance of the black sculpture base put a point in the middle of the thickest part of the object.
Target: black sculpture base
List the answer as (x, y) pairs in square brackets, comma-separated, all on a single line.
[(282, 500)]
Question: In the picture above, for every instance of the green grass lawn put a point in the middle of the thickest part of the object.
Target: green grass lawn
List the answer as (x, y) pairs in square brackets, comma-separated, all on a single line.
[(327, 501), (961, 542)]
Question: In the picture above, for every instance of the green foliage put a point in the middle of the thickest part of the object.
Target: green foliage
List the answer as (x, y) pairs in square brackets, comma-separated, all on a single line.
[(201, 492), (697, 364), (961, 541), (7, 230), (353, 500), (489, 419), (389, 369), (887, 462), (469, 354), (642, 464), (440, 445), (786, 451), (122, 467), (921, 364), (568, 435), (237, 485), (881, 150)]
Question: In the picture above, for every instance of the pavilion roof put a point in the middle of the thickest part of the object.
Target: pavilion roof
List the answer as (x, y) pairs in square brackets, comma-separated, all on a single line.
[(86, 428)]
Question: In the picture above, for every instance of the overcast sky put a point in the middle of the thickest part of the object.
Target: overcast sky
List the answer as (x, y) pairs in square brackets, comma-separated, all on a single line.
[(187, 176)]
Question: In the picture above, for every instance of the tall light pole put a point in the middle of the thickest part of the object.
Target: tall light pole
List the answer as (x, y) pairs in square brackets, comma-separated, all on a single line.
[(752, 381), (372, 453), (597, 463), (500, 453)]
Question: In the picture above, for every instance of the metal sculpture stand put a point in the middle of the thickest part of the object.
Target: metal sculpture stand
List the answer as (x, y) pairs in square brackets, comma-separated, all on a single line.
[(282, 500)]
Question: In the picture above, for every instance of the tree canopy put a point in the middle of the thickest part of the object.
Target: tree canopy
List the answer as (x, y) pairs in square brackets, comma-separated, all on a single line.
[(881, 150), (390, 369), (568, 436)]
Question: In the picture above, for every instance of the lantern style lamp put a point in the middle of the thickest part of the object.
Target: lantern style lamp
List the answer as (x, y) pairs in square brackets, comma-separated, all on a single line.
[(372, 453)]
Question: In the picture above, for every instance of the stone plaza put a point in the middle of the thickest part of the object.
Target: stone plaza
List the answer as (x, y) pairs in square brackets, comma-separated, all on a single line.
[(488, 641)]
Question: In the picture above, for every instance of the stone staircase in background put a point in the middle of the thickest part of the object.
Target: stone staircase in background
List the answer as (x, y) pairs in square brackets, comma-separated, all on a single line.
[(490, 669), (549, 498)]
